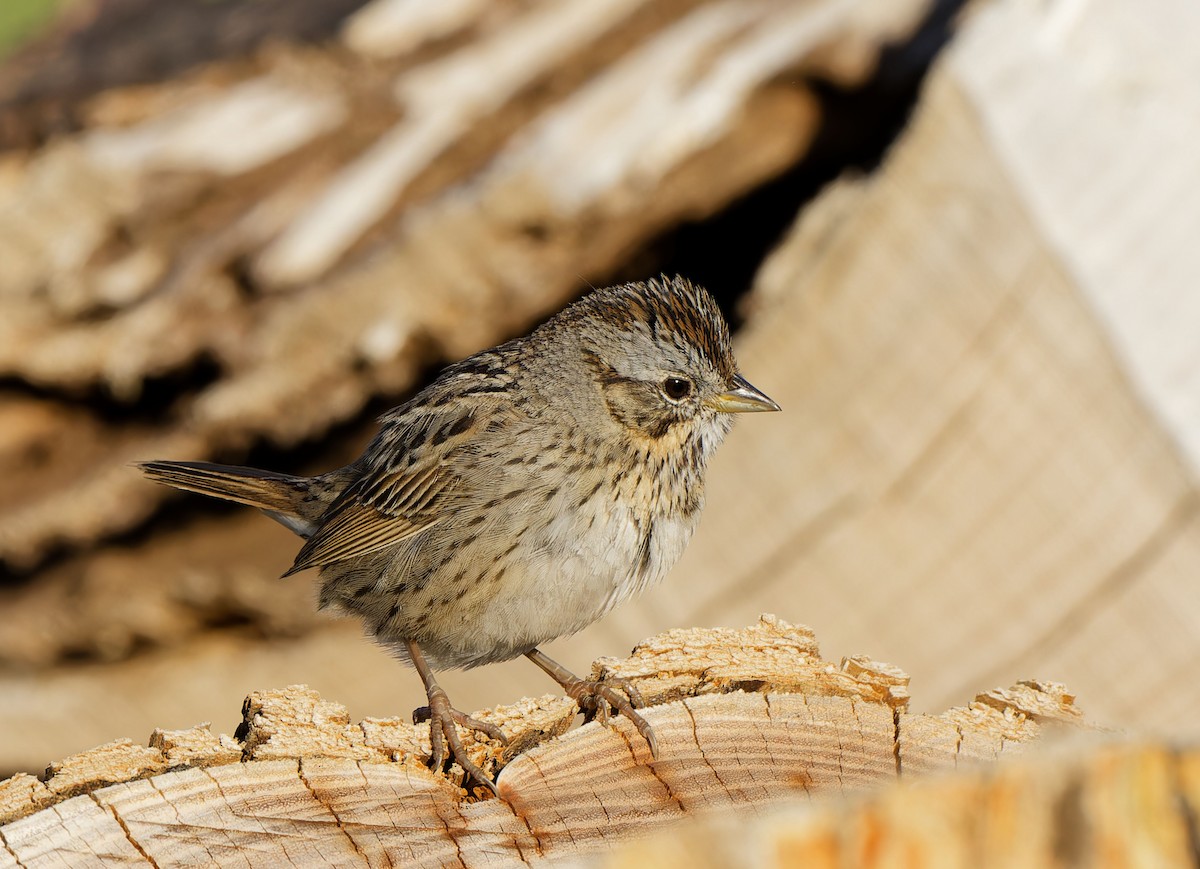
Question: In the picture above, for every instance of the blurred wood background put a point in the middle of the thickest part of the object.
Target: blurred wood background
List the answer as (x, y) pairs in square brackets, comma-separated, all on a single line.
[(972, 288)]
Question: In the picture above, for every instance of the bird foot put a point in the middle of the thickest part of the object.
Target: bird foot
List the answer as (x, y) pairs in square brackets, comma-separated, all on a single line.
[(444, 721), (597, 698)]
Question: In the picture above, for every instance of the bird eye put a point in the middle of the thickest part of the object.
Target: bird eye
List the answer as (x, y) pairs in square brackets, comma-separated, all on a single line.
[(677, 388)]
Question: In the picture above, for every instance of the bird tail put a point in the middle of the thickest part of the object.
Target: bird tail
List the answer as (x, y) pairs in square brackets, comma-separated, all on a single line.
[(294, 501)]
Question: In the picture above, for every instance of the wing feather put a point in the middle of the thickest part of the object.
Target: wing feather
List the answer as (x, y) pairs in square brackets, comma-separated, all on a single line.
[(391, 502)]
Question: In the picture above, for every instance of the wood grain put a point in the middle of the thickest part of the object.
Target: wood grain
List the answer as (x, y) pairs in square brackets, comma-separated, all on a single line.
[(746, 720), (1099, 805)]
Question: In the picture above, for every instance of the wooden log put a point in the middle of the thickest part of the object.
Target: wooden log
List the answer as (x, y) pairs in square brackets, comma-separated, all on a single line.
[(746, 720), (1121, 804)]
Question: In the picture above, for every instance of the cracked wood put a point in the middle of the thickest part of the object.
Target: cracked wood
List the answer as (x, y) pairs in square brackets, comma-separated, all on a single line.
[(747, 720)]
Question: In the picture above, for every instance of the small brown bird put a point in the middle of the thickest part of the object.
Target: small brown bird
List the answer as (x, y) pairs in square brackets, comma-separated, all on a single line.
[(520, 496)]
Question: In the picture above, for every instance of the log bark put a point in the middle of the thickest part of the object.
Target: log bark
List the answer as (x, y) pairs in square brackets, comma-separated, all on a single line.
[(746, 720)]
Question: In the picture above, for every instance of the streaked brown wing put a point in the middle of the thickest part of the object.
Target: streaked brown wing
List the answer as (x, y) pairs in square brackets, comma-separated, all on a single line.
[(381, 509), (357, 529)]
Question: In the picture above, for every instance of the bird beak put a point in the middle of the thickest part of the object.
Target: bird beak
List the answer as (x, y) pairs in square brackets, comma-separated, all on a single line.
[(742, 398)]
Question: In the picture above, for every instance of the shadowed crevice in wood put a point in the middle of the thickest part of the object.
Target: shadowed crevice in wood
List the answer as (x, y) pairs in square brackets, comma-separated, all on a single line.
[(128, 835), (539, 849), (896, 742), (12, 854), (700, 746), (451, 833), (332, 812), (1071, 836), (1187, 801)]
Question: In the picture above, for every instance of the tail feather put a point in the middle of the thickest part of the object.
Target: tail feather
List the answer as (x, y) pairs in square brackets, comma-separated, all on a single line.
[(283, 497)]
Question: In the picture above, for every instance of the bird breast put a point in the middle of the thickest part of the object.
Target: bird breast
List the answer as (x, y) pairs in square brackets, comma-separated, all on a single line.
[(540, 549)]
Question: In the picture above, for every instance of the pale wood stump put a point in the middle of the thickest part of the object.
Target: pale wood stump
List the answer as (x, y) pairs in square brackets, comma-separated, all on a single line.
[(746, 720)]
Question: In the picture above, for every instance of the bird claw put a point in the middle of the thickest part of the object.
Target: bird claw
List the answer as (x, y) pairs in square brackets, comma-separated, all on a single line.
[(444, 721), (491, 731), (596, 699)]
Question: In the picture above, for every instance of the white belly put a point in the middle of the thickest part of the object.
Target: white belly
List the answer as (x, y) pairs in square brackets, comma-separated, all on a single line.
[(569, 579)]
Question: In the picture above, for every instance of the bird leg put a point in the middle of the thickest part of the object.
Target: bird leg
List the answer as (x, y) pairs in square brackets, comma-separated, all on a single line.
[(595, 697), (443, 718)]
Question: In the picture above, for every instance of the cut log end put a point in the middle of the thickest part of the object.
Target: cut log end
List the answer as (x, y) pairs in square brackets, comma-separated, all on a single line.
[(744, 718)]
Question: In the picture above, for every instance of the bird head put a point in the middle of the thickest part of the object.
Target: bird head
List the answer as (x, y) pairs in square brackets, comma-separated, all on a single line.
[(661, 357)]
